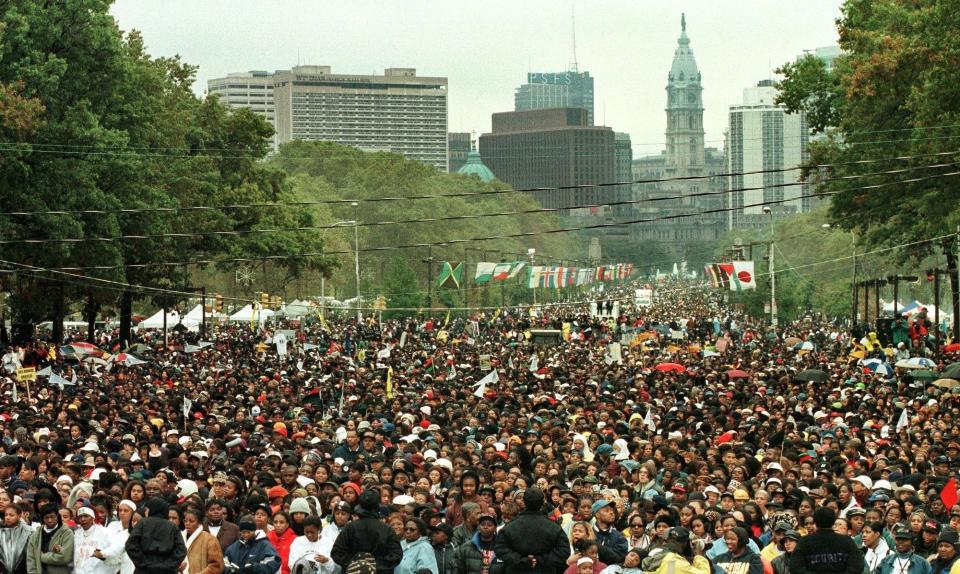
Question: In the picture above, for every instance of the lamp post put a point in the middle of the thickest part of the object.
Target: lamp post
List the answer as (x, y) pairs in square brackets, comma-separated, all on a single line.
[(356, 254), (531, 252), (773, 273)]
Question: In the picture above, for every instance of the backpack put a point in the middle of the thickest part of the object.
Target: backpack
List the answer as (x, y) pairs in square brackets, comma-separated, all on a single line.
[(362, 563)]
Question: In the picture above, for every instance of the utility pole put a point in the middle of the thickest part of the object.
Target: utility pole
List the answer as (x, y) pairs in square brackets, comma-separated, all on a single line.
[(429, 262), (951, 251), (773, 272)]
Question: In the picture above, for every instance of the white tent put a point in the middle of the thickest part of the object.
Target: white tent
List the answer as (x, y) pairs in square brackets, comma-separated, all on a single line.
[(248, 314), (155, 321), (195, 316), (296, 310)]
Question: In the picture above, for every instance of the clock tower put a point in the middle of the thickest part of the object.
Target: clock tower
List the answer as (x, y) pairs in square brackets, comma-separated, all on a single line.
[(685, 145)]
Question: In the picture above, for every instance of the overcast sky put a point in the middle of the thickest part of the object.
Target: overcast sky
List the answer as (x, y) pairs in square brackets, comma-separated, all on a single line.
[(486, 47)]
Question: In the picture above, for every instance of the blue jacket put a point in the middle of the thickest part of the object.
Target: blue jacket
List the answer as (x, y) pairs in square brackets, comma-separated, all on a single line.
[(417, 555), (611, 544), (892, 564), (255, 557)]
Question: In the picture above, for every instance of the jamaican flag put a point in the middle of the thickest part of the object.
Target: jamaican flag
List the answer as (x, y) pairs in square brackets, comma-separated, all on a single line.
[(451, 275)]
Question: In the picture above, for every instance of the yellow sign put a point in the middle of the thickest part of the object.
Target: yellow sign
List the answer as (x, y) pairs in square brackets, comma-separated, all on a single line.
[(27, 374), (380, 304)]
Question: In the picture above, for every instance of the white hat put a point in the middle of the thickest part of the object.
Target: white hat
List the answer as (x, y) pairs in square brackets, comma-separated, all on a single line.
[(882, 485), (185, 440), (402, 499), (86, 511), (95, 475), (865, 481), (129, 504), (90, 447), (430, 454), (444, 463), (65, 478), (186, 488), (712, 489), (775, 466)]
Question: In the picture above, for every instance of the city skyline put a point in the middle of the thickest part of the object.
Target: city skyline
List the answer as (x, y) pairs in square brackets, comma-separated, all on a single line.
[(486, 51)]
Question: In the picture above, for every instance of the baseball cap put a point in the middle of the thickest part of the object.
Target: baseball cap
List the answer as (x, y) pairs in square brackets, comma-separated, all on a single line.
[(487, 516), (598, 505)]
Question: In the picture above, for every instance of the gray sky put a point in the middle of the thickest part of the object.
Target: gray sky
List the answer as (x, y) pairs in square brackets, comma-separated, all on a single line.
[(486, 47)]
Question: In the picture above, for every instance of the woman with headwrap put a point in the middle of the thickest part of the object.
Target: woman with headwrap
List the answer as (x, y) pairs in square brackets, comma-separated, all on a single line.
[(119, 531), (581, 446), (50, 547)]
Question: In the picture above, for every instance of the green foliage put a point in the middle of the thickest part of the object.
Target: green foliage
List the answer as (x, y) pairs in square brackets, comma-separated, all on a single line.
[(327, 171), (893, 93), (96, 123), (401, 288), (808, 86)]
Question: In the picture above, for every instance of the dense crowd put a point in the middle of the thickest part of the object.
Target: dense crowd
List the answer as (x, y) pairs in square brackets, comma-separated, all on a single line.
[(682, 437)]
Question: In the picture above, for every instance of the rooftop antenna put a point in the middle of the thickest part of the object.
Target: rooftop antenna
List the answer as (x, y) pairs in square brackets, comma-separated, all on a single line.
[(298, 56), (574, 67)]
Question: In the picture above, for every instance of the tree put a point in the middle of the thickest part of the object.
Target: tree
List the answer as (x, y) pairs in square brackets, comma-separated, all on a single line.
[(99, 124), (401, 289)]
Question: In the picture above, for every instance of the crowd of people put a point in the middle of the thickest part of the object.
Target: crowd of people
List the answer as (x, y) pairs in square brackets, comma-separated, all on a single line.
[(676, 438)]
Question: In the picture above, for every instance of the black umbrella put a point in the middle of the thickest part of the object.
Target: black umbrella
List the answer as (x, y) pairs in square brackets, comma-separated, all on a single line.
[(952, 371), (812, 376)]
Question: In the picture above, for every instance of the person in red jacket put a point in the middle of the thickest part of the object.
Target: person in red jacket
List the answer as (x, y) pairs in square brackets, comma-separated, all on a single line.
[(281, 537)]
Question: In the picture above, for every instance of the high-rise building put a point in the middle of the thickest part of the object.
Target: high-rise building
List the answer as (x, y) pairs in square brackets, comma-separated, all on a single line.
[(556, 90), (458, 146), (686, 164), (763, 137), (253, 90), (623, 172), (398, 112), (828, 54), (553, 148)]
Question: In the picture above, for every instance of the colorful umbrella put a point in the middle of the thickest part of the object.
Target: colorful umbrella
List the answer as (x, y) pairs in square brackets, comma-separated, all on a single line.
[(670, 367), (737, 374), (792, 341), (947, 383), (916, 363), (924, 374)]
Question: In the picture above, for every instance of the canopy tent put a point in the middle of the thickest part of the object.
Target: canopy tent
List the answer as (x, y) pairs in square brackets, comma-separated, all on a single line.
[(249, 314), (914, 307), (196, 315), (295, 310), (155, 321)]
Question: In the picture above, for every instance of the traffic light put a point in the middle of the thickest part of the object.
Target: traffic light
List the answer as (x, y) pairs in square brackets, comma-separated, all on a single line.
[(276, 301), (218, 303), (264, 299)]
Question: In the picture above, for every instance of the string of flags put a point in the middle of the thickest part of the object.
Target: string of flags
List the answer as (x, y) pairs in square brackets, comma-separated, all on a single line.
[(734, 276), (549, 277)]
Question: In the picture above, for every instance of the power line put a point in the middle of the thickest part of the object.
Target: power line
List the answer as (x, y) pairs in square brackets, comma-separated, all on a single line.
[(308, 203), (463, 217), (123, 286), (499, 237), (215, 152)]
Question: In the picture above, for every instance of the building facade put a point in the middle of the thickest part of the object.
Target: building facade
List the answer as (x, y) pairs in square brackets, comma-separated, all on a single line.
[(398, 112), (459, 145), (668, 208), (623, 173), (553, 148), (763, 137), (253, 90), (545, 90)]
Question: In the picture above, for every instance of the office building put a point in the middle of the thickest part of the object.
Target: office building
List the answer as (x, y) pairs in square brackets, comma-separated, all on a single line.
[(556, 90), (762, 136), (685, 156), (553, 148), (253, 90), (623, 173), (458, 146)]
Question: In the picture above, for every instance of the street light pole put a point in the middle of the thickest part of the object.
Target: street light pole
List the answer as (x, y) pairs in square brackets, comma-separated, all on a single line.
[(356, 254), (531, 252), (773, 273)]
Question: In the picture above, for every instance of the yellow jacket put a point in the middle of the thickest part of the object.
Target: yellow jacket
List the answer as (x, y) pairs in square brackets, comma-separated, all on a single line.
[(673, 563)]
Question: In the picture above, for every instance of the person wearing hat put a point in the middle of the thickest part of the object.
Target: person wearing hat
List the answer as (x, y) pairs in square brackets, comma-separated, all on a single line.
[(611, 542), (250, 553), (825, 551), (781, 564), (477, 555), (155, 543), (903, 560), (342, 513), (926, 544), (443, 549), (946, 557), (532, 542), (89, 539), (775, 548)]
